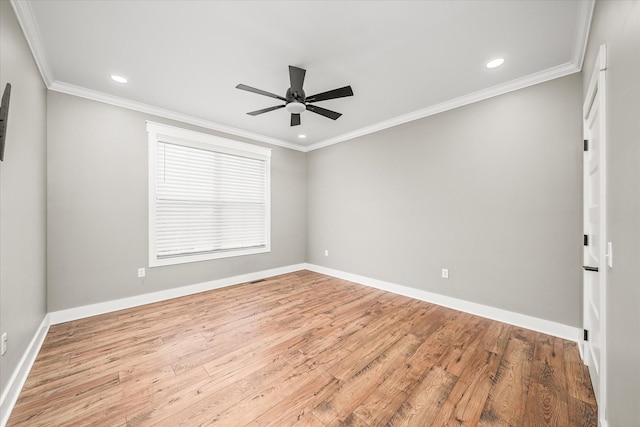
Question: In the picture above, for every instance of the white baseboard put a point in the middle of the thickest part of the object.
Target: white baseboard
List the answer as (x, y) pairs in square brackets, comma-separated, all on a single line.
[(75, 313), (16, 382), (528, 322)]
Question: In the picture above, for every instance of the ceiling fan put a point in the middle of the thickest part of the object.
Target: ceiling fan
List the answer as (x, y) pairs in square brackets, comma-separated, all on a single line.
[(295, 99)]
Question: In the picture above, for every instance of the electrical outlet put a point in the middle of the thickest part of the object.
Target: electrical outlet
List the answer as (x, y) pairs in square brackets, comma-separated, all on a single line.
[(445, 273), (141, 272), (4, 344), (326, 252)]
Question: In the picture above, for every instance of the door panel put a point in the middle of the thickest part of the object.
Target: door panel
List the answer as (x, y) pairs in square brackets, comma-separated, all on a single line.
[(594, 212), (592, 253)]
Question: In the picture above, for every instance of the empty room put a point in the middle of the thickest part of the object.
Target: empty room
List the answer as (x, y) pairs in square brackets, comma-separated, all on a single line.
[(320, 213)]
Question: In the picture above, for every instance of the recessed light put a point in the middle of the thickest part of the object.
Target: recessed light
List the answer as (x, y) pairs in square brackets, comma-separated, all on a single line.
[(494, 63), (118, 79), (302, 136)]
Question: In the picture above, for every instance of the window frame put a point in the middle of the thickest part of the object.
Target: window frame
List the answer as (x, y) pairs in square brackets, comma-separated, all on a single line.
[(158, 133)]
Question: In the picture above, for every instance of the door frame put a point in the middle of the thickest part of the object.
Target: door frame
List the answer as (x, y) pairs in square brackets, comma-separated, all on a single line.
[(597, 87)]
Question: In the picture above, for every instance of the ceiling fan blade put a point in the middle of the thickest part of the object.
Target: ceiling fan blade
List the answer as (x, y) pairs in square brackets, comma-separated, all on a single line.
[(331, 94), (323, 112), (295, 119), (296, 76), (260, 92), (265, 110)]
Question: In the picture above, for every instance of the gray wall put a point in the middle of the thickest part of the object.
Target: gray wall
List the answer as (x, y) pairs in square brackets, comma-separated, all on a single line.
[(98, 208), (617, 23), (22, 197), (491, 191)]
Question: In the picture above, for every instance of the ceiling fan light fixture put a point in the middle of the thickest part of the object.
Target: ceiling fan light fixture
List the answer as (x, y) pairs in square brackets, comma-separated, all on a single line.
[(295, 107)]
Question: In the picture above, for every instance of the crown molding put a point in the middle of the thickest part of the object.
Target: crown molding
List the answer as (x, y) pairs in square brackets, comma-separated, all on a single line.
[(27, 22), (581, 37), (26, 19), (530, 80), (94, 95)]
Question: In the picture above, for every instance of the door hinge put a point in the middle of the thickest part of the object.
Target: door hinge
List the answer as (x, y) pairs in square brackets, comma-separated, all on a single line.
[(586, 335), (586, 145), (585, 240)]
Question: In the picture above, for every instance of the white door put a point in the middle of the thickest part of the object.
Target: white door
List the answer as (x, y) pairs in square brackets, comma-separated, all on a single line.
[(595, 258)]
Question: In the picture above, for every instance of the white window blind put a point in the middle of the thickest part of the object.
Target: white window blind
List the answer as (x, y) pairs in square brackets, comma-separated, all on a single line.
[(210, 200)]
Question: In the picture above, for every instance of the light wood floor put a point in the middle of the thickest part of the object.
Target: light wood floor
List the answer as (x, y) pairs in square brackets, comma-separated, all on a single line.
[(302, 349)]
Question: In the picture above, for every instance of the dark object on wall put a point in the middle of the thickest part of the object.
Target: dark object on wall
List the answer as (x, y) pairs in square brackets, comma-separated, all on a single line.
[(4, 116), (295, 99)]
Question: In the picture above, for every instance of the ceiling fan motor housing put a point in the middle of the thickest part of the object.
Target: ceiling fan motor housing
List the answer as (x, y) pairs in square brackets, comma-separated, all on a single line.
[(295, 101), (295, 96)]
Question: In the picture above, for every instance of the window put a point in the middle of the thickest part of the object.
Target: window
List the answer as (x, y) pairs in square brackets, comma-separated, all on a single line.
[(209, 197)]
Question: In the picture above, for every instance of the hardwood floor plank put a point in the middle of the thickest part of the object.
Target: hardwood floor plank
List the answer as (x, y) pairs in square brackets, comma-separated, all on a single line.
[(264, 399), (496, 337), (200, 404), (299, 404), (507, 399), (547, 398), (305, 420), (356, 386), (463, 346), (465, 403), (146, 405), (65, 411), (380, 405), (332, 334), (355, 361), (383, 402), (545, 407), (301, 349), (434, 317), (581, 413), (577, 375), (422, 406)]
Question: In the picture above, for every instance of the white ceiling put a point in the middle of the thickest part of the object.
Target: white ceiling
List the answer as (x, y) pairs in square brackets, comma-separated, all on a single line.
[(403, 59)]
